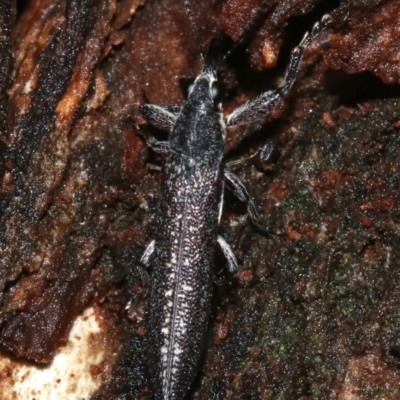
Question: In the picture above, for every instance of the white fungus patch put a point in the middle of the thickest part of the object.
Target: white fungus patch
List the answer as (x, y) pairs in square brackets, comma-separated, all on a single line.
[(69, 376)]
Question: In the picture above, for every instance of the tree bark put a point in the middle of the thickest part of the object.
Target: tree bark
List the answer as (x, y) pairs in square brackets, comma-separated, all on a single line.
[(319, 315)]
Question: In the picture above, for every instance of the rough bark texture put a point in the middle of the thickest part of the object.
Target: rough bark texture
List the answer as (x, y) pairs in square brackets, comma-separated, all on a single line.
[(319, 318)]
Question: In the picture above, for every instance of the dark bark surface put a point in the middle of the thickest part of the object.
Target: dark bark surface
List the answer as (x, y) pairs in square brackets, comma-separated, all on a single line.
[(319, 317)]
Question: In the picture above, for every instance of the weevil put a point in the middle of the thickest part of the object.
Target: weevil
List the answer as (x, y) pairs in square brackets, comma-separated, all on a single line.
[(191, 199)]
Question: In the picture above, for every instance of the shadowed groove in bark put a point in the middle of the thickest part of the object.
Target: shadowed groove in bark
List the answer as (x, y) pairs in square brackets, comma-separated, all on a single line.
[(49, 182), (57, 61), (7, 17)]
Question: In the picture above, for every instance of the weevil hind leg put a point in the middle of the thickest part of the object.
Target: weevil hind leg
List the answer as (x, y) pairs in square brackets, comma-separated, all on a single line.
[(145, 265), (228, 255), (145, 260), (230, 258), (256, 110)]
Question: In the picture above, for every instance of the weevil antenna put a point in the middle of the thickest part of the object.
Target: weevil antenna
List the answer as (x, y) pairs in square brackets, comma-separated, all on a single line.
[(193, 26), (251, 29), (215, 54)]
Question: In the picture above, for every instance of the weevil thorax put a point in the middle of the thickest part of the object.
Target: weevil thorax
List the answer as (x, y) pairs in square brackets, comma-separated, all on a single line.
[(199, 130)]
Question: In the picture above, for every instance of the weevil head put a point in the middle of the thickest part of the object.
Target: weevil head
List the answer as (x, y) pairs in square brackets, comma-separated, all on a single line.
[(199, 130), (204, 89)]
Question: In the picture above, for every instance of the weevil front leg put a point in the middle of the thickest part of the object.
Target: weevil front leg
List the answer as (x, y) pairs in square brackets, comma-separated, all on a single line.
[(163, 118), (254, 111)]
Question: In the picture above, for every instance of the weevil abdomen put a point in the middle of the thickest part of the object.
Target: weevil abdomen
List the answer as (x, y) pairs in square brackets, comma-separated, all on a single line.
[(182, 271)]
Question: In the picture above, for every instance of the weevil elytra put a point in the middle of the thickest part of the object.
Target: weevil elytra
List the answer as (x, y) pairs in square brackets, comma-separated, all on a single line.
[(191, 200)]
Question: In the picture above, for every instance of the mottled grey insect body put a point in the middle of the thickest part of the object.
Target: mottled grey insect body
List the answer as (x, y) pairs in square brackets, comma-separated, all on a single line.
[(191, 199), (183, 256), (182, 276)]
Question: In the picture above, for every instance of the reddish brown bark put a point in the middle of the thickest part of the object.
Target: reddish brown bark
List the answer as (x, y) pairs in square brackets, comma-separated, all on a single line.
[(320, 308)]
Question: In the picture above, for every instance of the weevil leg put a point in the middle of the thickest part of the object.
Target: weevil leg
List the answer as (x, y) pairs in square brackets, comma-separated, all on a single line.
[(159, 117), (160, 147), (145, 260), (240, 162), (162, 118), (146, 282), (236, 186), (228, 254), (254, 111), (145, 264), (174, 110)]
